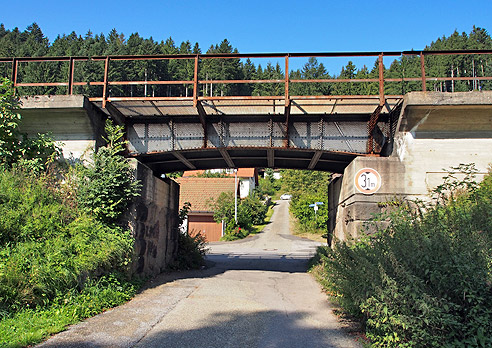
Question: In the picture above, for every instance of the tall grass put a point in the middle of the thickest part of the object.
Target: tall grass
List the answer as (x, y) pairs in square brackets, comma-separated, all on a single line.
[(47, 248), (58, 264), (426, 280)]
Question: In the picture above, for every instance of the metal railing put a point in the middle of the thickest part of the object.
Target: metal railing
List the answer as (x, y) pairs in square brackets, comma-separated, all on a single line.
[(198, 59)]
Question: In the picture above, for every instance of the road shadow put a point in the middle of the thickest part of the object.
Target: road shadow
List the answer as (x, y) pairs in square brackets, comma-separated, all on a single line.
[(265, 329), (220, 263), (248, 329)]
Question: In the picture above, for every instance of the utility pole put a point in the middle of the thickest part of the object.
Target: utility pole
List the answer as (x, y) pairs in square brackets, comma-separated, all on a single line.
[(145, 86), (235, 195)]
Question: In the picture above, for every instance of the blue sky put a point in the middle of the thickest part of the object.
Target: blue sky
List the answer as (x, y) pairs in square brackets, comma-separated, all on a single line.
[(261, 26)]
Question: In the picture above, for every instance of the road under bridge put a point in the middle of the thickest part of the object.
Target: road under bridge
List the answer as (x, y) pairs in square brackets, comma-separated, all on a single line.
[(409, 140)]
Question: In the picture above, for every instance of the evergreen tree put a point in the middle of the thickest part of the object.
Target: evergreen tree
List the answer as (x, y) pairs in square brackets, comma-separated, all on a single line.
[(32, 42), (314, 70), (248, 73), (222, 69), (269, 73), (367, 88), (346, 88)]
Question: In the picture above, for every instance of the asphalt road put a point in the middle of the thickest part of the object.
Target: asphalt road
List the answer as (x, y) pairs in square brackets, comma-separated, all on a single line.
[(255, 294)]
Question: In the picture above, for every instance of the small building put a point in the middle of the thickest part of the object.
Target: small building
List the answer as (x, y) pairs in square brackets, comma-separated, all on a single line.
[(201, 193), (201, 188), (247, 177)]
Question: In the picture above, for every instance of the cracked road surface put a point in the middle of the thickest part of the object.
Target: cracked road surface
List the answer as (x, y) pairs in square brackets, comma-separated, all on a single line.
[(256, 294)]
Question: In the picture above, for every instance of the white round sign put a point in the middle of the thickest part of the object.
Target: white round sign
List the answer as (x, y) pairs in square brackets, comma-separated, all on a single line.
[(367, 181)]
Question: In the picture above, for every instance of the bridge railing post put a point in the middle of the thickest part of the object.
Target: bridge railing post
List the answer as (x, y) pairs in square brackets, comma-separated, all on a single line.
[(15, 65), (70, 76), (105, 87), (195, 82), (381, 79), (422, 69), (287, 97)]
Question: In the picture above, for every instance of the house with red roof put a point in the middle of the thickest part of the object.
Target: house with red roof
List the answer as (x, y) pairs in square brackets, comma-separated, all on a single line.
[(202, 192), (247, 177)]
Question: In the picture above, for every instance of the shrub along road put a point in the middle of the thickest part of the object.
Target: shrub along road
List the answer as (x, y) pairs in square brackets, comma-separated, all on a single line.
[(255, 294)]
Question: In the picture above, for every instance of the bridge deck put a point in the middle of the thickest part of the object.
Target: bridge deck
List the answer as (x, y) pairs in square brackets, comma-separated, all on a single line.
[(206, 129), (323, 133)]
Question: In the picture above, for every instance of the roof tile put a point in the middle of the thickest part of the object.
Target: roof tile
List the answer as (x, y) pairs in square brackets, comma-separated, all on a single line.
[(203, 192)]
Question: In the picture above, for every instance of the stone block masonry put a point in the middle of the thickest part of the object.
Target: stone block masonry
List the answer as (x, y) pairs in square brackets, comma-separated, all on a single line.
[(349, 210), (153, 220)]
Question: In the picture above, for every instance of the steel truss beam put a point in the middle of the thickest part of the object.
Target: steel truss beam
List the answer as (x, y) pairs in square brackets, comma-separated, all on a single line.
[(202, 115), (371, 130), (287, 116), (227, 158), (271, 158), (115, 114), (315, 159), (183, 160)]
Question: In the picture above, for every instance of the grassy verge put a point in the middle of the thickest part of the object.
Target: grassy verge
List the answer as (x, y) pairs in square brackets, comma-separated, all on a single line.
[(29, 326), (241, 233), (306, 231), (276, 195), (268, 217)]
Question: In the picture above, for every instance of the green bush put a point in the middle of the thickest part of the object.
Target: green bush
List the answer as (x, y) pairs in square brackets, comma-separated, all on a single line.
[(300, 208), (268, 186), (250, 211), (17, 149), (308, 187), (191, 248), (106, 185), (28, 210), (425, 281), (46, 247), (29, 326), (191, 252), (59, 261)]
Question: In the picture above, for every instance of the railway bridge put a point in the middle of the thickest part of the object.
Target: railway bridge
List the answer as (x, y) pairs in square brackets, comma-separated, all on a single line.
[(408, 139)]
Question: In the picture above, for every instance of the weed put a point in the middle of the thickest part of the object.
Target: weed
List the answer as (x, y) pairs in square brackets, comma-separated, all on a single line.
[(425, 280)]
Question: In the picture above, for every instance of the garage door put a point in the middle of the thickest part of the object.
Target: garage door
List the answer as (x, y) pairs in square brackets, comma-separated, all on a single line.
[(206, 225)]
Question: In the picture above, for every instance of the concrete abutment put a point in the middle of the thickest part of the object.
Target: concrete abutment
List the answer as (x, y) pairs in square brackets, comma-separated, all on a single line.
[(78, 125), (436, 131)]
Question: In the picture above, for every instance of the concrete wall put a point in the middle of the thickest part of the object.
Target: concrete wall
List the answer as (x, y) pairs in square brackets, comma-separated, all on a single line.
[(352, 209), (436, 131), (153, 219), (71, 119), (442, 130)]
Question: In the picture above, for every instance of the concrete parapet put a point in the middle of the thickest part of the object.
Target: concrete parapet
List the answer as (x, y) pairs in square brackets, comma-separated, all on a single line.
[(436, 115), (71, 119), (438, 131), (153, 219)]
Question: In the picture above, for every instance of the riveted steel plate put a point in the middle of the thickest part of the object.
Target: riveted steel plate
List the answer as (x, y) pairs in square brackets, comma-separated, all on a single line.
[(345, 136), (188, 136), (148, 138), (279, 131), (214, 135), (304, 135), (247, 134)]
